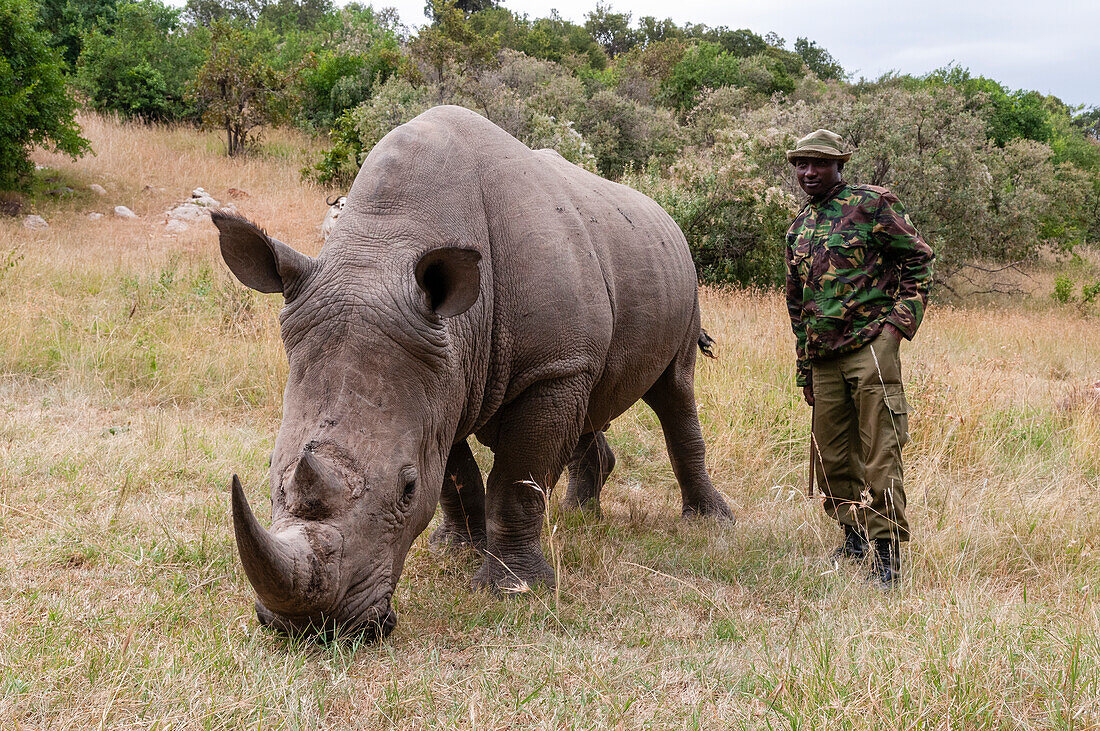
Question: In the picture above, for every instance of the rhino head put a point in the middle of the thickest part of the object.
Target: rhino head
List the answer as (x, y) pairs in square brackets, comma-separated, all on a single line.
[(370, 410)]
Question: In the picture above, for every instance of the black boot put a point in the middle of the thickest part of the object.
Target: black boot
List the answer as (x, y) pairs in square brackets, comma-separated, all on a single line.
[(854, 547), (885, 563)]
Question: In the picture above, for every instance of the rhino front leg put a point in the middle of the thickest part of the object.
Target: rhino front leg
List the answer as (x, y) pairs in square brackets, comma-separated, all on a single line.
[(463, 502), (672, 398), (535, 439), (589, 467)]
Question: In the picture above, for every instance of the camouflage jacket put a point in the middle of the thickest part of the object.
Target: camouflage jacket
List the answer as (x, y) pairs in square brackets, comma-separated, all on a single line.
[(854, 263)]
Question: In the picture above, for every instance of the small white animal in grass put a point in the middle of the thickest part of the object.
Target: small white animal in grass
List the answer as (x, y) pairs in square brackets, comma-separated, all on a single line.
[(335, 208)]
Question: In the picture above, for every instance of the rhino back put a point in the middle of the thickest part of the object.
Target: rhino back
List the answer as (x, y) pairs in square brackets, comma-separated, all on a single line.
[(579, 275), (596, 274)]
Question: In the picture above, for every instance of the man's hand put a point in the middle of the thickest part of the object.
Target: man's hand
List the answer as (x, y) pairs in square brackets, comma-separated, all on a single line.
[(808, 393), (893, 332)]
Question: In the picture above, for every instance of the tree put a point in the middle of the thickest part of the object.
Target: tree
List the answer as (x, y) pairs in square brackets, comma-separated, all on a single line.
[(1088, 120), (611, 30), (207, 12), (818, 60), (69, 21), (35, 107), (238, 88), (468, 7), (652, 30), (295, 14), (140, 67), (452, 46)]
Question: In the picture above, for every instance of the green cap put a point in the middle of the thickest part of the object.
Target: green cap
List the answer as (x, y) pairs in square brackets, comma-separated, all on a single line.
[(821, 144)]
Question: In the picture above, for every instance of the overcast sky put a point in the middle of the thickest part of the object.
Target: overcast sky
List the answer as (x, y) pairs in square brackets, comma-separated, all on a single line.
[(1051, 46)]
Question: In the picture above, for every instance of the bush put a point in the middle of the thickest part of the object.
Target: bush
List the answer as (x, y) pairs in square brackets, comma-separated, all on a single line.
[(70, 21), (1063, 289), (734, 220), (238, 88), (140, 67), (35, 107), (624, 133), (357, 131), (362, 52)]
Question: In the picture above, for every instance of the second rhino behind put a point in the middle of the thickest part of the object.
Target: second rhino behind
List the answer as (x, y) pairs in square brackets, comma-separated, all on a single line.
[(472, 286)]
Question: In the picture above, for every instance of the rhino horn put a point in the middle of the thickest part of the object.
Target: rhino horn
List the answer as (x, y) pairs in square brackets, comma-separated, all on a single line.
[(314, 490), (274, 565)]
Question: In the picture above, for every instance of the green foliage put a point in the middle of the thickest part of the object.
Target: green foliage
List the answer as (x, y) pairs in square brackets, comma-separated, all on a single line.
[(343, 74), (818, 60), (69, 21), (238, 88), (704, 65), (1009, 115), (141, 66), (732, 218), (989, 175), (207, 12), (290, 15), (707, 66), (395, 102), (35, 107), (1063, 289), (611, 30), (1088, 121), (467, 7), (451, 49), (624, 133), (1090, 292)]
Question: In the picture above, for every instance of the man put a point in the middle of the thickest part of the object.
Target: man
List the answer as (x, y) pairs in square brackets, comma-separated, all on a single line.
[(858, 275)]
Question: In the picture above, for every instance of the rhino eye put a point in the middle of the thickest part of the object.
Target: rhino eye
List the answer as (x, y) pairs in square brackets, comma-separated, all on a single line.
[(408, 489)]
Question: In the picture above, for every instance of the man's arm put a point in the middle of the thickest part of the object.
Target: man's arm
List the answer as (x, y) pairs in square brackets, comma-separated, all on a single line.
[(794, 309), (913, 258)]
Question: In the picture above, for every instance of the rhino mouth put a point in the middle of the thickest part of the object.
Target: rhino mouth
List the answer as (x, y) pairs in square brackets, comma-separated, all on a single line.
[(374, 624), (295, 574)]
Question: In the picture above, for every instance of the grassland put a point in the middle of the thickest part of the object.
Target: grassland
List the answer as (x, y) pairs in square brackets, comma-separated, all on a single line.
[(135, 376)]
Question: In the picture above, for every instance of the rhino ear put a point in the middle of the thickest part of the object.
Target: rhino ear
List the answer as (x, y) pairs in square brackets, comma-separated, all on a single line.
[(259, 261), (450, 279)]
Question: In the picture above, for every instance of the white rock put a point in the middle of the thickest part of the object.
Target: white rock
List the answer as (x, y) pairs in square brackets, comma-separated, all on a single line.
[(124, 212), (36, 223), (187, 212), (97, 189), (94, 216), (206, 202), (175, 226), (199, 193)]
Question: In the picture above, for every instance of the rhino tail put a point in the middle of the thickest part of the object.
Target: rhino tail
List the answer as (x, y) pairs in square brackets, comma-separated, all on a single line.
[(706, 344)]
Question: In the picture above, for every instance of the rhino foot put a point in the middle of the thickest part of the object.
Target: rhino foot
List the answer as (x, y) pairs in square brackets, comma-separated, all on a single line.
[(514, 575), (452, 539), (714, 507), (591, 506)]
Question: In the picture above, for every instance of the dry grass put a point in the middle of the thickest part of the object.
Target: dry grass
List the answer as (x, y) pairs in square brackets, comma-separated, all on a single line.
[(135, 376)]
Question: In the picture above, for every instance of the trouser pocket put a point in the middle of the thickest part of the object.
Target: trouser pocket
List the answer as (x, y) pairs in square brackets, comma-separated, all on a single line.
[(899, 412)]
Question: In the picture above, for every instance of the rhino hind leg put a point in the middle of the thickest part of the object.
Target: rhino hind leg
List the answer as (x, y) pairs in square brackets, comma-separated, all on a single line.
[(672, 398), (463, 503), (535, 439), (589, 467)]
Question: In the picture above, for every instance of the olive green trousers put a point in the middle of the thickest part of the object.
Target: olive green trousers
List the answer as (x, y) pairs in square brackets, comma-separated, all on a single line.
[(860, 425)]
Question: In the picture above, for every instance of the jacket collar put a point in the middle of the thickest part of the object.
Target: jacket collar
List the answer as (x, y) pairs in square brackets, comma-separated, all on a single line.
[(826, 197)]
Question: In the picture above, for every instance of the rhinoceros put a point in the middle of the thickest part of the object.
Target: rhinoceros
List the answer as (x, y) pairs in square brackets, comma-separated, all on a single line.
[(473, 286)]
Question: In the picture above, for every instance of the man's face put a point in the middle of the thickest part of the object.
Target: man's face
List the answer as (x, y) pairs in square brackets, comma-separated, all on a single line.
[(815, 175)]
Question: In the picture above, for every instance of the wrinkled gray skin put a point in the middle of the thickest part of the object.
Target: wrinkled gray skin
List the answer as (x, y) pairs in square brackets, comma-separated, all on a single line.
[(472, 286)]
